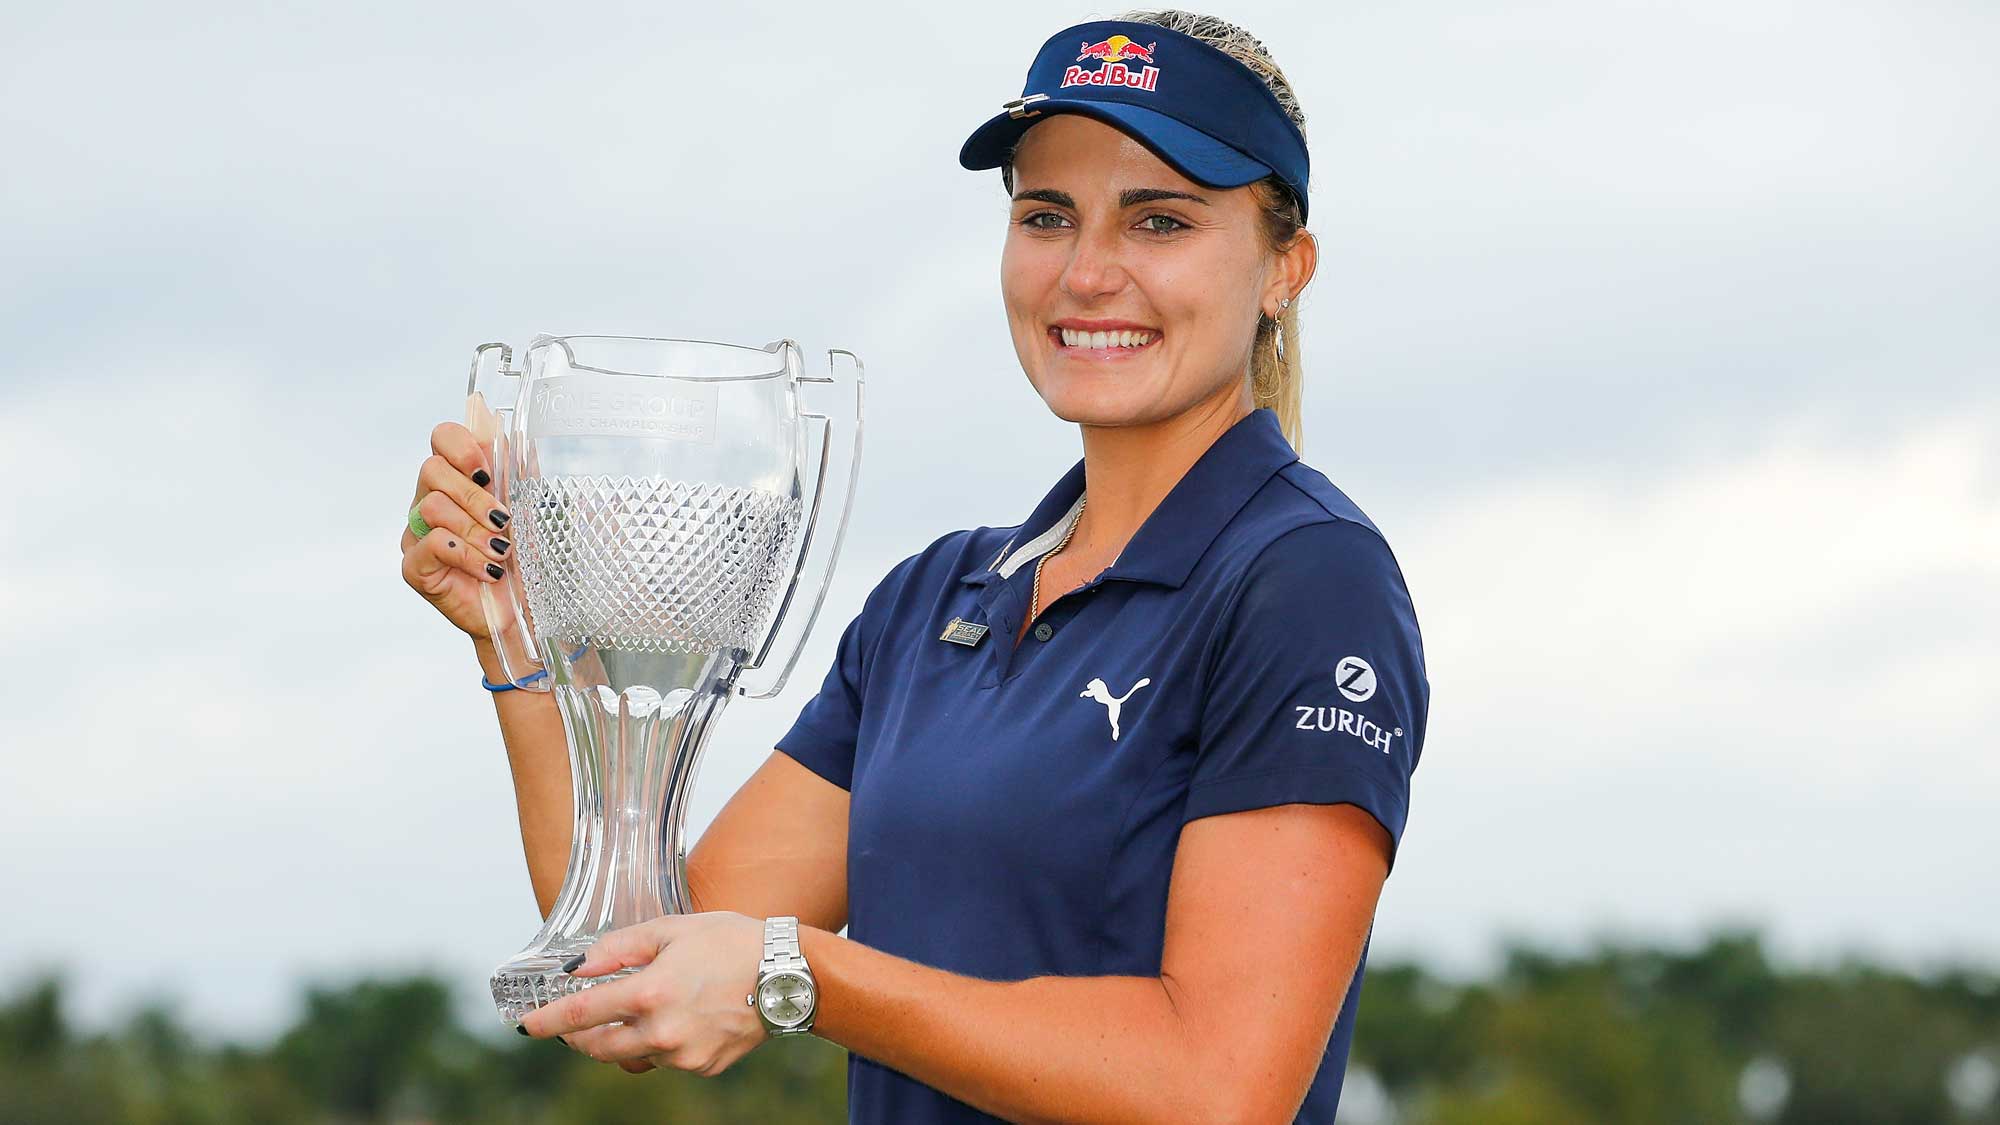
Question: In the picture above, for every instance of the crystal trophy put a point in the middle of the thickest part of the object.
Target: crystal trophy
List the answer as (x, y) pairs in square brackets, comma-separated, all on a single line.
[(662, 532)]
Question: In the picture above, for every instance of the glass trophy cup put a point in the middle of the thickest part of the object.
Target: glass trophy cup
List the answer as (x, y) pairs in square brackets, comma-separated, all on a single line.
[(662, 531)]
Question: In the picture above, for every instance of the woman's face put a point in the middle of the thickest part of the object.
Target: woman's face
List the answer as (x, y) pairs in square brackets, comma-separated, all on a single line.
[(1106, 236)]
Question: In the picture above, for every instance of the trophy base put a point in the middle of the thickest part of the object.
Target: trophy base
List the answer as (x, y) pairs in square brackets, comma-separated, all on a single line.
[(532, 981)]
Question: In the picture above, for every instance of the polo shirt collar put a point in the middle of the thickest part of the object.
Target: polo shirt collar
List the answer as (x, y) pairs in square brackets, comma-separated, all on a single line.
[(1180, 530)]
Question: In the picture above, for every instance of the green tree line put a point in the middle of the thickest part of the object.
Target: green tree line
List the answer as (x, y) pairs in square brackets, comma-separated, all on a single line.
[(1620, 1034)]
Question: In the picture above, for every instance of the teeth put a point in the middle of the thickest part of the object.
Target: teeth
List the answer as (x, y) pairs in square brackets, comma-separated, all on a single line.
[(1072, 338)]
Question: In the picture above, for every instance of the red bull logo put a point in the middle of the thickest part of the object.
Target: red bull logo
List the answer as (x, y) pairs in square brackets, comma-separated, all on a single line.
[(1111, 54)]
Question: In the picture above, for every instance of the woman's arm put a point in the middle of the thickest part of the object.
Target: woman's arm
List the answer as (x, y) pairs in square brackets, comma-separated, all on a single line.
[(778, 847), (538, 756), (1267, 915)]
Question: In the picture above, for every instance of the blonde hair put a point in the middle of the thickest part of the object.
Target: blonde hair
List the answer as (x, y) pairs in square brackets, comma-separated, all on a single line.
[(1274, 381)]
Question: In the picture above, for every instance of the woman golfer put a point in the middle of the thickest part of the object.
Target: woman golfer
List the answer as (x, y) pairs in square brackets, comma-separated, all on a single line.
[(1103, 798)]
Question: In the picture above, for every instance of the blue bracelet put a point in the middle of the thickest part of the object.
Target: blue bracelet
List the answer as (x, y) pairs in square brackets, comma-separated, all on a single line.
[(541, 675), (529, 679)]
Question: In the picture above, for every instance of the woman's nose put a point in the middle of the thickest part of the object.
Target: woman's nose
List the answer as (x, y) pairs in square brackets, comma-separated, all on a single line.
[(1096, 267)]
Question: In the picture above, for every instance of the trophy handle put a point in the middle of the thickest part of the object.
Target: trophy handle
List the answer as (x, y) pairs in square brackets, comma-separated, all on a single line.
[(502, 601), (826, 427)]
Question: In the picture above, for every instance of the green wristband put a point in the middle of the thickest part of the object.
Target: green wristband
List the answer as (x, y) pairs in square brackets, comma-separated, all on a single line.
[(418, 527)]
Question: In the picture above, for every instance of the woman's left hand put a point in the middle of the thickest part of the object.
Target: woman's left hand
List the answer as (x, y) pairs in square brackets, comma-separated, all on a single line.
[(686, 1008)]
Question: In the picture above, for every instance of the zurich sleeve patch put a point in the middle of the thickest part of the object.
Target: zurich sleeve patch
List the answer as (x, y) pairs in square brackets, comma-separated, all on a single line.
[(1317, 692)]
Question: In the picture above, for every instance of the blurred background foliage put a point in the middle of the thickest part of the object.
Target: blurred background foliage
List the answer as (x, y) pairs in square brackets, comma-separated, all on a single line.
[(1619, 1034)]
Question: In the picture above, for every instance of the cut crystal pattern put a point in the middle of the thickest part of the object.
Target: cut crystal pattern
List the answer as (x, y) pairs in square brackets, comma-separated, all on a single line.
[(647, 564)]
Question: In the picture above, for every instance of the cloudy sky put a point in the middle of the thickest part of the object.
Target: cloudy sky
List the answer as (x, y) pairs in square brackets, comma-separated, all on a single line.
[(1657, 337)]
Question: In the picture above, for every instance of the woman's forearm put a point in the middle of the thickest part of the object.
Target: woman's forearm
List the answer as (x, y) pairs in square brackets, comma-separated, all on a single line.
[(538, 756), (1068, 1049)]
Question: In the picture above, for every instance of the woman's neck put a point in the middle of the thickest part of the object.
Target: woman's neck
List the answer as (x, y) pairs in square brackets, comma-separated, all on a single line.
[(1128, 470)]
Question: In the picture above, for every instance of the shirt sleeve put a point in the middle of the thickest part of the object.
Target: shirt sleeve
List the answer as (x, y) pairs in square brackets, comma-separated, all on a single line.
[(1317, 691), (824, 736)]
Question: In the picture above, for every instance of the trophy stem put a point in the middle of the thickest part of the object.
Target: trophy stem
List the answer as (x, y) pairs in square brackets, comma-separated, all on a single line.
[(635, 759), (637, 751)]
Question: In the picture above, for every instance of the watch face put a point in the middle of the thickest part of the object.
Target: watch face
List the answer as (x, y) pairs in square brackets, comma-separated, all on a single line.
[(786, 998)]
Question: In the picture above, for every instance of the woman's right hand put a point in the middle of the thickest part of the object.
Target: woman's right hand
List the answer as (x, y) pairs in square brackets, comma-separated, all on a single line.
[(468, 542)]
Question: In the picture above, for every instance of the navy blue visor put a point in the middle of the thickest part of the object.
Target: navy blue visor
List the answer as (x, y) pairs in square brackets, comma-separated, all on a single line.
[(1209, 117)]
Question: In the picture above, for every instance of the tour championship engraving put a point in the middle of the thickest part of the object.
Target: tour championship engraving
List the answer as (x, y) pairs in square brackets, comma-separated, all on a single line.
[(587, 405)]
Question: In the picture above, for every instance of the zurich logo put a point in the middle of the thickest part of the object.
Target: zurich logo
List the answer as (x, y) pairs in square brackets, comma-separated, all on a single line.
[(1356, 678)]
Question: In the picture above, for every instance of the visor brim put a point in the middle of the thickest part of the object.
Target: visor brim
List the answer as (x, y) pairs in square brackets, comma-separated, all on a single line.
[(1188, 150)]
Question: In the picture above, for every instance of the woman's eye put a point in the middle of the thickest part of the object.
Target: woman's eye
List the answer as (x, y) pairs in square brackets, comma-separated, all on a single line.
[(1177, 224), (1031, 224)]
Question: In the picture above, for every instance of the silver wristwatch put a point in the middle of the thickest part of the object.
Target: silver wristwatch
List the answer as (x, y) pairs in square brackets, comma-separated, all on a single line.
[(785, 997)]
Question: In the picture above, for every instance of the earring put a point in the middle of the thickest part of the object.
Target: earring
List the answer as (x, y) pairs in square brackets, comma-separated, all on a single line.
[(1283, 304)]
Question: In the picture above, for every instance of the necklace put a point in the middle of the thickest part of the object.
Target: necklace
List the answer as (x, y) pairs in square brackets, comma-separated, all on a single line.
[(1035, 594)]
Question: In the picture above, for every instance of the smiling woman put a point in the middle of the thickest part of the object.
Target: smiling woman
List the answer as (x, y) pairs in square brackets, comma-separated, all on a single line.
[(1188, 266), (1059, 785)]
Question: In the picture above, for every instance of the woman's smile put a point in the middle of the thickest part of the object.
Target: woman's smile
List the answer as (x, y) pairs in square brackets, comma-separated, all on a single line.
[(1087, 343)]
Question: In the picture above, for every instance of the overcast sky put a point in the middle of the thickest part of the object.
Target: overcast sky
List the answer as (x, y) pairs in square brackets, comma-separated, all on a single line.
[(1657, 337)]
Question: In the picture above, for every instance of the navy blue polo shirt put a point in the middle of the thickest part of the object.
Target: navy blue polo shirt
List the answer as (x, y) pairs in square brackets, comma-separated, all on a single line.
[(1015, 810)]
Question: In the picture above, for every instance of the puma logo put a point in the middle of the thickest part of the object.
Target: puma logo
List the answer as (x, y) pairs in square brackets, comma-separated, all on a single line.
[(1101, 692)]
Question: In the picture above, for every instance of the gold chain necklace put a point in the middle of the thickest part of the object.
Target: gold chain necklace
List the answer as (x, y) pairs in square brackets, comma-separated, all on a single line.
[(1035, 595)]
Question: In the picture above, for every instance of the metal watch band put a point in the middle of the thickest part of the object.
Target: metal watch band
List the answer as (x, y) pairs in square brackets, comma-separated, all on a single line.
[(781, 945)]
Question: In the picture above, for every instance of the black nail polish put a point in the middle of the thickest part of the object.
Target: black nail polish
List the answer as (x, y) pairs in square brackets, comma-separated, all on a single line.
[(522, 1030), (481, 477), (499, 546), (573, 964), (494, 570), (498, 517)]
